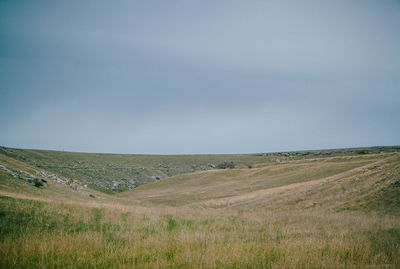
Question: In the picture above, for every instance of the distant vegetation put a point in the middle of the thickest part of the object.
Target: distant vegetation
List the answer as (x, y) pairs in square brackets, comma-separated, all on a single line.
[(226, 165)]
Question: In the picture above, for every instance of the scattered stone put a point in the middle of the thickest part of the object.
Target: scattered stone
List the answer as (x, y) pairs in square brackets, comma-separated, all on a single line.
[(23, 172), (6, 169), (41, 174)]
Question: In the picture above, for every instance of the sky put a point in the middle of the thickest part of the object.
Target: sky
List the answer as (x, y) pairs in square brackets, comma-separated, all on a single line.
[(184, 77)]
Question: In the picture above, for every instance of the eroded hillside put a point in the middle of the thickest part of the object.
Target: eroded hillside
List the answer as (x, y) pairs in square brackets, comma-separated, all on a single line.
[(113, 173)]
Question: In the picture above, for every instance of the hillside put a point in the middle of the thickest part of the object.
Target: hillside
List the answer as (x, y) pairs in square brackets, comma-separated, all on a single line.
[(113, 173), (341, 206), (336, 182)]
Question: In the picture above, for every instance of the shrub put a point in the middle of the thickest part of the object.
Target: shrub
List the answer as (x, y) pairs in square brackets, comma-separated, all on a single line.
[(37, 182), (226, 165)]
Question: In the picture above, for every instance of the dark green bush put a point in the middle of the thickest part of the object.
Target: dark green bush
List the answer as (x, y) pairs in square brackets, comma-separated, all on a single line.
[(226, 165), (37, 182)]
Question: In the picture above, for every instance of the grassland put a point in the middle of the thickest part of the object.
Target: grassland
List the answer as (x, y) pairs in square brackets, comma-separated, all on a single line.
[(113, 173), (324, 211)]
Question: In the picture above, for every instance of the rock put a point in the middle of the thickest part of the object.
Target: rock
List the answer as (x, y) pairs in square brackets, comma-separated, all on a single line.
[(278, 161), (5, 169), (29, 179), (41, 174), (53, 176), (211, 165)]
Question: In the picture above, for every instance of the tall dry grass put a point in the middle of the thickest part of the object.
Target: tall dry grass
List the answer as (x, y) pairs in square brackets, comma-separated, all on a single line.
[(37, 234)]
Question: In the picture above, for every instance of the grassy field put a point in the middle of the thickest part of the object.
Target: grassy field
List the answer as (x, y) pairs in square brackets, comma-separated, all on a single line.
[(323, 211)]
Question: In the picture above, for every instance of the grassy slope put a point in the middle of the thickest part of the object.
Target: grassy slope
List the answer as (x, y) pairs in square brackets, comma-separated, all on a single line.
[(100, 170), (329, 212), (50, 191), (202, 186), (103, 171)]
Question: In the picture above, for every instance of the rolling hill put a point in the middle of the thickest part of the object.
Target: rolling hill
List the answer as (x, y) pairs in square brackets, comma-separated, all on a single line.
[(309, 209)]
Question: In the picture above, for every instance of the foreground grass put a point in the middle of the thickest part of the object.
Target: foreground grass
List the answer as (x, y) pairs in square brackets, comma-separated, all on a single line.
[(38, 234)]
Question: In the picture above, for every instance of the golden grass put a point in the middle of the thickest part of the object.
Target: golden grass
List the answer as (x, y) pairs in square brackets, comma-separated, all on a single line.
[(337, 213), (222, 187), (48, 236)]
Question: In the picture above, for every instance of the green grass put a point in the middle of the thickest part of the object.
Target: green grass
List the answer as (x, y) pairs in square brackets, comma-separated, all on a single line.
[(37, 234)]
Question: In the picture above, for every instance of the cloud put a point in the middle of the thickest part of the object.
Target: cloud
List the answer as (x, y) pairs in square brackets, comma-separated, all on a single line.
[(187, 77)]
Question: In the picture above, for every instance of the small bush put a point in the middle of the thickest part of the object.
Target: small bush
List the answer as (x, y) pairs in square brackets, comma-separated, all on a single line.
[(226, 165), (37, 182)]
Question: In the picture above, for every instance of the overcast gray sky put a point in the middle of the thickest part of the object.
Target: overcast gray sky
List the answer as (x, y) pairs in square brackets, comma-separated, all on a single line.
[(173, 77)]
